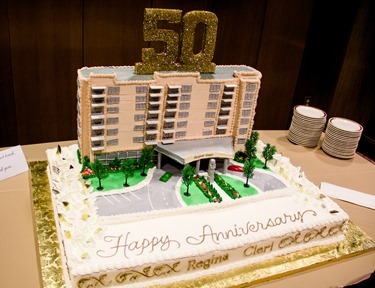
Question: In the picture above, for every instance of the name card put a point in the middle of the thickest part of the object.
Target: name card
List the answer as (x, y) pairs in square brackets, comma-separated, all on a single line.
[(12, 162)]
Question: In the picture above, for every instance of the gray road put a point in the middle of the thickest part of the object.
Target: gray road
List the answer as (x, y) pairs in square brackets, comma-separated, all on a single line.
[(156, 196), (159, 195)]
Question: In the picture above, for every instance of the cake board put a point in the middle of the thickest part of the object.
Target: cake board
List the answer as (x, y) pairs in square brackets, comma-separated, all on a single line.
[(356, 243)]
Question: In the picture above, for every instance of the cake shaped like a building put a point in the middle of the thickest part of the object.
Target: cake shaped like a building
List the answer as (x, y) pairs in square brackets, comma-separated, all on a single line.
[(187, 115), (119, 112)]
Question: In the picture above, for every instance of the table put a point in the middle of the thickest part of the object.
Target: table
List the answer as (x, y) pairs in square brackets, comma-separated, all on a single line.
[(20, 267)]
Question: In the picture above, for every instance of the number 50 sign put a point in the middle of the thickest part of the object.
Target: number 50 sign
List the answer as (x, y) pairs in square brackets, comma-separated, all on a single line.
[(178, 52)]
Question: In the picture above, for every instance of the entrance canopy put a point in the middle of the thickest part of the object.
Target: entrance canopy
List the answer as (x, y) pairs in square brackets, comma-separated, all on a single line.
[(192, 150)]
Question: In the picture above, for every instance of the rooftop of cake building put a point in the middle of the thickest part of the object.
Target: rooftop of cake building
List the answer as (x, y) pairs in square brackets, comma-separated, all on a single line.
[(126, 73)]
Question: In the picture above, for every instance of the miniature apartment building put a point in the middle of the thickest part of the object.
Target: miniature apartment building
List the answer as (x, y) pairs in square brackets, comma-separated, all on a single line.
[(119, 112)]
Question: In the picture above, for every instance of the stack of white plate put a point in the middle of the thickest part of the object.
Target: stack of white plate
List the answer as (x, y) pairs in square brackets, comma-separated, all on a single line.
[(341, 137), (307, 125)]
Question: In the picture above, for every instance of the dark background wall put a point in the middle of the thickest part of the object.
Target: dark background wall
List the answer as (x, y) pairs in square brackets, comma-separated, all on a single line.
[(307, 50)]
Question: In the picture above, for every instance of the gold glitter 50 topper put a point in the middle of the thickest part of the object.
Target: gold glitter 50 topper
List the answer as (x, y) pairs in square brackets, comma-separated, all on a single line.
[(168, 59)]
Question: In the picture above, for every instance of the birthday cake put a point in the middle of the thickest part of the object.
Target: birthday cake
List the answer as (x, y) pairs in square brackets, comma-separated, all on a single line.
[(148, 231)]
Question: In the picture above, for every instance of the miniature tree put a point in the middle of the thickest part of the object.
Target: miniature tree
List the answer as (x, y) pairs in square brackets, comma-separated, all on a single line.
[(268, 153), (145, 159), (250, 145), (187, 177), (254, 137), (250, 149), (248, 171), (128, 168), (99, 171)]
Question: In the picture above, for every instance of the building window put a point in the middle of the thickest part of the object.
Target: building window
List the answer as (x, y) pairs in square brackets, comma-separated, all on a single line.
[(139, 117), (249, 96), (183, 114), (112, 142), (210, 115), (180, 134), (246, 113), (250, 87), (209, 123), (186, 88), (139, 127), (211, 105), (185, 97), (112, 120), (244, 121), (213, 96), (140, 106), (141, 89), (247, 104), (207, 132), (113, 100), (138, 139), (182, 124), (113, 90), (112, 132), (241, 141), (242, 131), (214, 87), (113, 110), (184, 106), (140, 98)]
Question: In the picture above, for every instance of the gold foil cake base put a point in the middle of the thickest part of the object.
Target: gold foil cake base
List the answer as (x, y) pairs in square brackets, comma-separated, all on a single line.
[(356, 243)]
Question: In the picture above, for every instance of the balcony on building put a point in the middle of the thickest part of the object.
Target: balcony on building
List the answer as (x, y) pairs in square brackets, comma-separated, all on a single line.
[(227, 96), (224, 117), (225, 108), (153, 113), (152, 118), (172, 101), (171, 108), (154, 107), (97, 133), (97, 138), (97, 90), (155, 90), (97, 111), (168, 125), (229, 87), (97, 145), (97, 124), (168, 138), (152, 128), (222, 122), (97, 116), (151, 139), (174, 91), (221, 129), (169, 119)]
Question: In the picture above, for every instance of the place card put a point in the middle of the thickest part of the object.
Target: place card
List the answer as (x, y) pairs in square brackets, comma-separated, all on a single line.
[(12, 162), (348, 195)]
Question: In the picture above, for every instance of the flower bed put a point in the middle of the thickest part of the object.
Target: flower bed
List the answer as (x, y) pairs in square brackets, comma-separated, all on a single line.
[(227, 188), (207, 189)]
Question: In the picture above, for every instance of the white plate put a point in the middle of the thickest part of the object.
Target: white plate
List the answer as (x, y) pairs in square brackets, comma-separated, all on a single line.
[(345, 124), (310, 111)]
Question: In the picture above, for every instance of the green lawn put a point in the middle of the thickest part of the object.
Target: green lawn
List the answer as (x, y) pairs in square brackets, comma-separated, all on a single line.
[(197, 197), (115, 180), (238, 185)]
